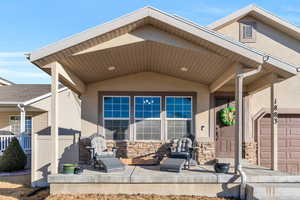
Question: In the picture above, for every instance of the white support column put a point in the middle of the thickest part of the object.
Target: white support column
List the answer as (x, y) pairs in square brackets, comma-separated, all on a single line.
[(54, 118), (274, 124), (22, 119), (239, 119)]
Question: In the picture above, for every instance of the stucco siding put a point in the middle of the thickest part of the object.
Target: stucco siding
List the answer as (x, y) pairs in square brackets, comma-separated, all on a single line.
[(69, 128), (68, 112), (269, 40), (146, 82), (288, 96), (281, 45)]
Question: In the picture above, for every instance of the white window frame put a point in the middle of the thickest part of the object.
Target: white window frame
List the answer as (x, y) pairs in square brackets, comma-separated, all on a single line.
[(181, 119), (9, 120), (115, 118), (247, 23), (160, 118)]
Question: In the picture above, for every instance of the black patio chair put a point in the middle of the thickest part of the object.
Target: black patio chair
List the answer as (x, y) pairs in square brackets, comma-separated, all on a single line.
[(180, 156)]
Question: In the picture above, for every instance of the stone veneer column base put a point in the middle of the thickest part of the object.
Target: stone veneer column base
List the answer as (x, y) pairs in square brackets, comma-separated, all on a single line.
[(205, 153), (250, 152)]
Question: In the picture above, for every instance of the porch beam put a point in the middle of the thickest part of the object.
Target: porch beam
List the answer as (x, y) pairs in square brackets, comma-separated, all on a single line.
[(260, 84), (274, 122), (224, 78), (67, 77), (54, 118)]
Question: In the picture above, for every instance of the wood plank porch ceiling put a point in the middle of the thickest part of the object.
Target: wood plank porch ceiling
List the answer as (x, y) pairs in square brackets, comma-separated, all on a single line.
[(160, 48)]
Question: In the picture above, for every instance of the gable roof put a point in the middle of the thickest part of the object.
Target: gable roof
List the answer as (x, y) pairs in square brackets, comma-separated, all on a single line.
[(261, 14), (5, 82), (25, 93), (20, 93), (127, 23)]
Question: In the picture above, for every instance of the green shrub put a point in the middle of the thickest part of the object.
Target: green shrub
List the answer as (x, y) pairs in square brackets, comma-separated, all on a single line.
[(13, 157)]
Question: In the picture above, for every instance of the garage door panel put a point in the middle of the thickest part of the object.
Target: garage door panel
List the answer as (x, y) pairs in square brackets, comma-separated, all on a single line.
[(294, 132), (282, 167), (294, 155), (294, 143), (292, 168), (265, 154), (288, 143), (282, 155)]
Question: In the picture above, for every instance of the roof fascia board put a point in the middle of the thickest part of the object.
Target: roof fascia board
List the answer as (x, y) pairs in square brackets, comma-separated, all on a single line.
[(258, 10), (31, 101), (10, 103), (229, 18), (282, 65), (4, 82), (89, 34)]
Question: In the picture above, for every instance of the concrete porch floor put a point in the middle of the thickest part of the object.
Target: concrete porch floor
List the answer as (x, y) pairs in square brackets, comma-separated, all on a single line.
[(196, 174), (199, 180)]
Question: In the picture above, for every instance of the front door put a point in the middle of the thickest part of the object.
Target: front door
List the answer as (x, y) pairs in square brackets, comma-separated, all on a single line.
[(224, 135)]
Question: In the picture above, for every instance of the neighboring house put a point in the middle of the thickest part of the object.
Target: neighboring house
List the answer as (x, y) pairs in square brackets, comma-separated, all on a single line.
[(25, 111), (148, 77)]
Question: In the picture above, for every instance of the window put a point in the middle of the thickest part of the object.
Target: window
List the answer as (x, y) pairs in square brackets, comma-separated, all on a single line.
[(247, 31), (179, 116), (15, 124), (116, 117), (147, 118)]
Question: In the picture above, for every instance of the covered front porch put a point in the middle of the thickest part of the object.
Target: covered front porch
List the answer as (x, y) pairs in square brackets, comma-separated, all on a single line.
[(151, 53)]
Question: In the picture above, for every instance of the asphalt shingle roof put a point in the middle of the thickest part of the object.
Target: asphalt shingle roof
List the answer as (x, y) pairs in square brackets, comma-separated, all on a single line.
[(23, 92)]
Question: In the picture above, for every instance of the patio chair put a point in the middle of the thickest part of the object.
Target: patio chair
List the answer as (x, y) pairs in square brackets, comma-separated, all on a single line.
[(102, 158), (181, 157)]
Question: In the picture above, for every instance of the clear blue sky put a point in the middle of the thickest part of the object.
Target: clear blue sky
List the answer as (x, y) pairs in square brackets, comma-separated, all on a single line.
[(31, 24)]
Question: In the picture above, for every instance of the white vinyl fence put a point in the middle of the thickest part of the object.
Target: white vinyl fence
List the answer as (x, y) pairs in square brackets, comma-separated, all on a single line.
[(24, 140)]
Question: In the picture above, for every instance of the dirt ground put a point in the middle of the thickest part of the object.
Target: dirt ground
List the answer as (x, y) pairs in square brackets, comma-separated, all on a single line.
[(14, 191), (10, 190), (128, 197)]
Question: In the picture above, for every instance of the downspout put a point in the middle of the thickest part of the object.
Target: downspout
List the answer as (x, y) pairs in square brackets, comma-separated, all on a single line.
[(239, 167)]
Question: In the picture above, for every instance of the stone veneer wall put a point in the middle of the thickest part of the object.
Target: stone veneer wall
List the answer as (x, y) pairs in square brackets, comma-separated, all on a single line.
[(128, 149), (250, 152), (205, 152)]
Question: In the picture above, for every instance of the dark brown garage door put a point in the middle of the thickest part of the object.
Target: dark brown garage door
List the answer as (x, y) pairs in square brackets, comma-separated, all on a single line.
[(288, 142)]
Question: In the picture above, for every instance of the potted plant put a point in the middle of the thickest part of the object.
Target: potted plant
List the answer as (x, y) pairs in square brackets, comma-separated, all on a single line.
[(69, 168), (222, 167)]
